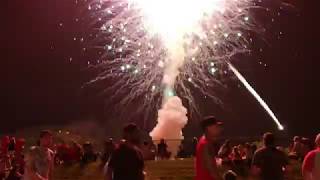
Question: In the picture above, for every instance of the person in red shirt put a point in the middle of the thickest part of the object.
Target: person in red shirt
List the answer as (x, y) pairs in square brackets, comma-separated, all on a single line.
[(205, 164), (311, 163)]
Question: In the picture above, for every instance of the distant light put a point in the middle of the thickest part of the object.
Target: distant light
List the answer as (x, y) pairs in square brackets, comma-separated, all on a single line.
[(189, 79), (128, 66), (246, 18), (153, 88), (213, 70), (239, 34), (212, 64)]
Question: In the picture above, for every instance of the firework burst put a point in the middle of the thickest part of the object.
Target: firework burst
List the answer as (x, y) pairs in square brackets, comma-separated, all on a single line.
[(161, 48)]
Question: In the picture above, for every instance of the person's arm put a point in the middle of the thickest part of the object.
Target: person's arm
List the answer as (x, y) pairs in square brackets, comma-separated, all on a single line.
[(108, 173), (30, 170), (110, 165), (307, 166), (256, 164), (32, 174), (286, 164), (209, 163), (52, 154)]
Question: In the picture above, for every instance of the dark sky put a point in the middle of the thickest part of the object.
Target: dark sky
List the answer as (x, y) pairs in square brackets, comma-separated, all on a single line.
[(39, 84)]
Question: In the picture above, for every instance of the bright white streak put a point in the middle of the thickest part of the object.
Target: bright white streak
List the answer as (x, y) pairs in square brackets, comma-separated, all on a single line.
[(256, 95)]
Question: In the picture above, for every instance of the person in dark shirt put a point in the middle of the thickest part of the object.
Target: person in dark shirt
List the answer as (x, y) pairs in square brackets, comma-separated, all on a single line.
[(109, 147), (269, 162), (163, 150), (126, 162), (89, 155)]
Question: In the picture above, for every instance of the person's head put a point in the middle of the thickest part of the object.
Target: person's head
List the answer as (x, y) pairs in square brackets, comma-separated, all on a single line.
[(230, 175), (235, 150), (108, 142), (145, 143), (268, 139), (240, 147), (296, 139), (12, 140), (247, 145), (317, 141), (46, 139), (211, 127), (131, 133), (162, 141), (227, 143), (254, 147)]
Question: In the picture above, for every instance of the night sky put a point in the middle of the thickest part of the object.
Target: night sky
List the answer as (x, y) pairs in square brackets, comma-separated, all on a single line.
[(44, 69)]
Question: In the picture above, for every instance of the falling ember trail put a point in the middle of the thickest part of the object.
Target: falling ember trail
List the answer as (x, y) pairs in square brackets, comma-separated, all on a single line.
[(256, 95)]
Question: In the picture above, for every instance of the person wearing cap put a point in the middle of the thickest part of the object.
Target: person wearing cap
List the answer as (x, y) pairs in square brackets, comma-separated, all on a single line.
[(206, 166), (40, 159), (126, 162), (268, 162), (311, 163)]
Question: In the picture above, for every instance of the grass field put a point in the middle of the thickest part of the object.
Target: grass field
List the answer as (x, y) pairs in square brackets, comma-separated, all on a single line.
[(181, 169), (164, 170)]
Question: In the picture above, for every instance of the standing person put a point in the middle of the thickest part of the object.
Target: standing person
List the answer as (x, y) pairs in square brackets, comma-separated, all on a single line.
[(248, 154), (311, 163), (194, 146), (40, 159), (206, 165), (268, 162), (18, 161), (126, 162), (5, 160), (109, 147), (224, 152), (163, 150)]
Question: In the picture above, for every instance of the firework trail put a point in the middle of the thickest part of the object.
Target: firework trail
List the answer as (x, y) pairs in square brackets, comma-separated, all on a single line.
[(255, 95), (162, 48)]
